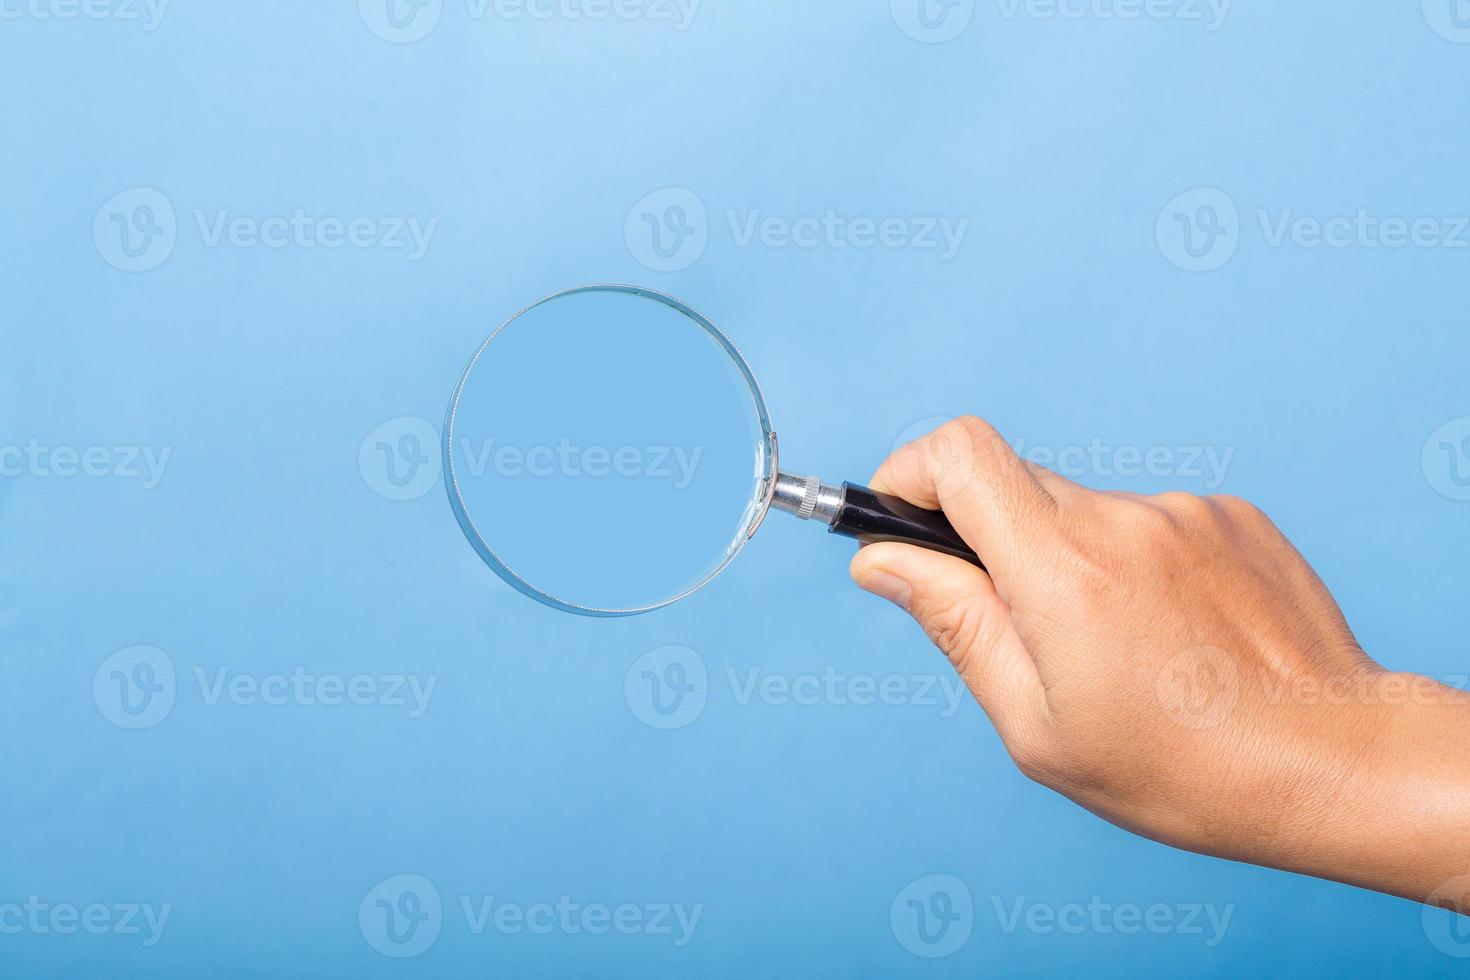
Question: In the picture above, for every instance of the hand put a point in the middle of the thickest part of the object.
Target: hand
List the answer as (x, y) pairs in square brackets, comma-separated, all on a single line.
[(1172, 664)]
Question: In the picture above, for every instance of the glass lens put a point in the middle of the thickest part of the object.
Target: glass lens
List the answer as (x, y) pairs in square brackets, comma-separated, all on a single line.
[(607, 450)]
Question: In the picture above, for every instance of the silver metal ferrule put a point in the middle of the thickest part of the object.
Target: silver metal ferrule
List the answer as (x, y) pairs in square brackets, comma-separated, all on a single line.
[(807, 497)]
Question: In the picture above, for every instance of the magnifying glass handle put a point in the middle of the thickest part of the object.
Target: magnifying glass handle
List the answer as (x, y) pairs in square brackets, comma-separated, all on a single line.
[(857, 512)]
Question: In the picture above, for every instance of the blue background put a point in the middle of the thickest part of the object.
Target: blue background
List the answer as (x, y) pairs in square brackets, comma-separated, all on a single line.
[(1062, 320)]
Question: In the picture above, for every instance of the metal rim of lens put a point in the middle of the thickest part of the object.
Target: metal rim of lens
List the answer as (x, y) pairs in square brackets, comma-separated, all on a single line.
[(765, 482)]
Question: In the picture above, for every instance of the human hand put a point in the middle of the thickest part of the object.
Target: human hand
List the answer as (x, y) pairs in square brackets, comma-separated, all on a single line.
[(1172, 664)]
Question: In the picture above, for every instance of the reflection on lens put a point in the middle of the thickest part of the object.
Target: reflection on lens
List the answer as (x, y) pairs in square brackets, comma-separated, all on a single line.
[(606, 450)]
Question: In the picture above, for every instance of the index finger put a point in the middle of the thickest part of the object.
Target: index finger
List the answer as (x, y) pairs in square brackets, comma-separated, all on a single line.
[(989, 494)]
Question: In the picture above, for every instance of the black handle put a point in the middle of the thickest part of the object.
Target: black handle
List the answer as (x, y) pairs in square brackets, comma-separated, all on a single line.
[(872, 517)]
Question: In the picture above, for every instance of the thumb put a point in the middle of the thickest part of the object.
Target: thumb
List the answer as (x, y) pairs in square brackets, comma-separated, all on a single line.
[(997, 503), (957, 606)]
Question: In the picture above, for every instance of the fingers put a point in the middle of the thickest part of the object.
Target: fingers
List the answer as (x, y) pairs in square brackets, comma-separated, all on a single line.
[(997, 501), (957, 606)]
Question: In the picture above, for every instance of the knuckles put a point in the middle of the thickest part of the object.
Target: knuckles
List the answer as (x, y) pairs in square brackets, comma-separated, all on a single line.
[(1069, 762), (963, 447), (1116, 545), (1240, 511), (954, 627), (1088, 571), (1034, 759), (971, 428)]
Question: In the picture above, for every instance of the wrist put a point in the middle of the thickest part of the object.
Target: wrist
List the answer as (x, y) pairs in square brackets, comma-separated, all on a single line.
[(1393, 800)]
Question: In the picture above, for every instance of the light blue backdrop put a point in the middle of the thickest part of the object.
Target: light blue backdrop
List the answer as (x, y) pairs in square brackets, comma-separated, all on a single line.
[(189, 419)]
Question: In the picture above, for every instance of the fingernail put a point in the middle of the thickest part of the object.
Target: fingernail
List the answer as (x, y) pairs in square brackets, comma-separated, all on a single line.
[(890, 587)]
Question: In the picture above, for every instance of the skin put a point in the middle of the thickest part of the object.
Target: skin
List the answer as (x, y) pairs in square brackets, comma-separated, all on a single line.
[(1174, 665)]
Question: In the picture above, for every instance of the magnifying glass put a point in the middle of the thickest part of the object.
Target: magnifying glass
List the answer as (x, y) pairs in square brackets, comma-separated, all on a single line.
[(608, 452)]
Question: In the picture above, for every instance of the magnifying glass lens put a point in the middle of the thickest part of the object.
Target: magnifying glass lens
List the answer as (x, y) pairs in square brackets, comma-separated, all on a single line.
[(605, 451)]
